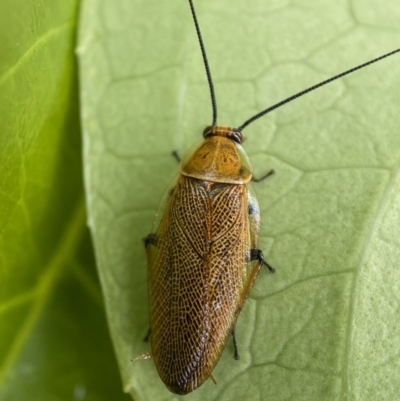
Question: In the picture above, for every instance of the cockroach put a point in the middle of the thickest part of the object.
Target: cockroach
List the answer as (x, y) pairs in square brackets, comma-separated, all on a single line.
[(203, 257)]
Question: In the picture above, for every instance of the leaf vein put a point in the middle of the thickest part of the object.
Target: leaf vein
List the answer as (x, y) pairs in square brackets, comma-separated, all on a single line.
[(31, 50), (51, 274)]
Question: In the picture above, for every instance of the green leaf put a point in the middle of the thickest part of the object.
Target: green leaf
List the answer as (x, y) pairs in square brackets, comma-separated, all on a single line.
[(325, 326), (54, 343)]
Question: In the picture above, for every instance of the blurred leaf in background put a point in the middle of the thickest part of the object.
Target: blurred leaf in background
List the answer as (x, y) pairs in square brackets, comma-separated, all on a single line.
[(54, 342)]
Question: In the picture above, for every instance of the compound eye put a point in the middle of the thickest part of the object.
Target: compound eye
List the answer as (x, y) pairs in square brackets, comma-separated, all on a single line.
[(207, 131), (237, 136)]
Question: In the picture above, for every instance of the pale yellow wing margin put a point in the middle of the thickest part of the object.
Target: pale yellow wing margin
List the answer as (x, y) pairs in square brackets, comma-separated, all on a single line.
[(254, 218)]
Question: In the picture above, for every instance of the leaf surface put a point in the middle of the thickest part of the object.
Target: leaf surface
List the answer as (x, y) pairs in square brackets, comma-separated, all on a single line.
[(325, 326)]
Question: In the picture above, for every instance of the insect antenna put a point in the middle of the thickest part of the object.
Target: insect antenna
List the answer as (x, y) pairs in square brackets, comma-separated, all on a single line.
[(311, 88), (206, 65)]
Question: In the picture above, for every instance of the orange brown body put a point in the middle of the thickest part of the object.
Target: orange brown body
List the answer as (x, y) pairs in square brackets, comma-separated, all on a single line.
[(202, 261)]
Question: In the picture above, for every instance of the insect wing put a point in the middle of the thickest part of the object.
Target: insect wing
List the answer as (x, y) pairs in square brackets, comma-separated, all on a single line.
[(177, 294), (199, 274)]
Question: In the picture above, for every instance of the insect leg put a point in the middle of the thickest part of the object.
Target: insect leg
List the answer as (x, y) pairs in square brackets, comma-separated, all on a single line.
[(151, 239), (212, 379), (236, 353), (256, 254), (177, 157), (271, 172), (146, 339), (147, 355)]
